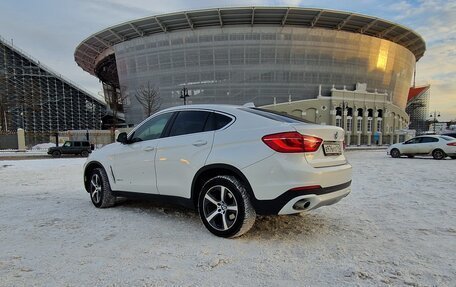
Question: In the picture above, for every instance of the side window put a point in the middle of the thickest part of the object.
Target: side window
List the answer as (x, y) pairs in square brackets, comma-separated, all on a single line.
[(413, 141), (85, 144), (189, 122), (67, 144), (77, 144), (221, 121), (216, 121), (429, 140), (152, 129)]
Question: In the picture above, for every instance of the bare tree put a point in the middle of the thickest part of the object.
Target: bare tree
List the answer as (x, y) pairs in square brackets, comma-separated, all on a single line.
[(115, 99), (149, 98)]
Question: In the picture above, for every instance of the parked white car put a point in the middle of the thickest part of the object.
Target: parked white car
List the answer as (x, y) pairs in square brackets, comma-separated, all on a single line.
[(439, 146), (228, 162)]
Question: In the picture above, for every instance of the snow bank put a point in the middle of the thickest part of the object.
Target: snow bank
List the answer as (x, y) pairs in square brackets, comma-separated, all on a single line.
[(398, 227)]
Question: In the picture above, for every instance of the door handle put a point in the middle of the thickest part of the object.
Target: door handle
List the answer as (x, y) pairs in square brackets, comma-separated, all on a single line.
[(149, 148), (200, 143)]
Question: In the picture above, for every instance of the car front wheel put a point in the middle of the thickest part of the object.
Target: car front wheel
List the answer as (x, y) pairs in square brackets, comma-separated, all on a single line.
[(100, 190), (225, 208), (395, 153)]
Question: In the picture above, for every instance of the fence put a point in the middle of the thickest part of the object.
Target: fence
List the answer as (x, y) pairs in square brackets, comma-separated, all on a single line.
[(8, 140)]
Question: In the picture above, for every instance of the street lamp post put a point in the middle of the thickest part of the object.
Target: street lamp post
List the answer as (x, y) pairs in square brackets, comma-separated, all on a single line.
[(184, 95), (434, 115)]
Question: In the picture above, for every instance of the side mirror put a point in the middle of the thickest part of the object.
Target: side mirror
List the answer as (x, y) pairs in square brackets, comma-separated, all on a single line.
[(122, 138)]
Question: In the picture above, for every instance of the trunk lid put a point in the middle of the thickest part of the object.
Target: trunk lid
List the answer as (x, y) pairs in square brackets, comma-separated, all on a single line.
[(331, 151)]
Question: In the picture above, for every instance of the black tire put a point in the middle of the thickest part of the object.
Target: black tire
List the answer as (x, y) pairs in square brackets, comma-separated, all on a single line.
[(56, 154), (84, 153), (395, 153), (100, 190), (218, 214), (410, 156), (438, 154)]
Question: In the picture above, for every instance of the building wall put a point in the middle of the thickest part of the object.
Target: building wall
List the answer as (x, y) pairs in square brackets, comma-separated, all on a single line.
[(38, 100), (373, 118), (235, 65)]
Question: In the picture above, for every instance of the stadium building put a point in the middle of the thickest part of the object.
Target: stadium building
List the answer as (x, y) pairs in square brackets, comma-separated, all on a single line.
[(38, 100), (323, 65)]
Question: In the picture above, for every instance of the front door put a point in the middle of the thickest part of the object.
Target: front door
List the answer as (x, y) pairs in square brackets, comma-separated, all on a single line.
[(411, 146), (133, 163)]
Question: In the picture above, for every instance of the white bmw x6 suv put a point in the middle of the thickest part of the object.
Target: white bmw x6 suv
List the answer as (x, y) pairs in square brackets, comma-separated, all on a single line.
[(228, 162)]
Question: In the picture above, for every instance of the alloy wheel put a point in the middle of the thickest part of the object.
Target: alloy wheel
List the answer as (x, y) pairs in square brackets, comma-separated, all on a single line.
[(95, 188), (220, 207)]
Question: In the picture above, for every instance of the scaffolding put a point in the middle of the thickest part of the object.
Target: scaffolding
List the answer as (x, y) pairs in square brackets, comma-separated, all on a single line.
[(418, 108), (35, 98)]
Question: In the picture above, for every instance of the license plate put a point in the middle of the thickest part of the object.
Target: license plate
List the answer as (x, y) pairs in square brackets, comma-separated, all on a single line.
[(332, 149)]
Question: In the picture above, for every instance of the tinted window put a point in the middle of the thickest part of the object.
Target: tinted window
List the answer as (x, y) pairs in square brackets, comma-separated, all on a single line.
[(77, 143), (276, 116), (85, 144), (152, 129), (217, 121), (451, 135), (221, 121), (413, 141), (429, 140), (189, 122)]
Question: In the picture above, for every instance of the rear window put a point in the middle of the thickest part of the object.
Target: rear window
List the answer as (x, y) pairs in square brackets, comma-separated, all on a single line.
[(447, 138), (273, 115)]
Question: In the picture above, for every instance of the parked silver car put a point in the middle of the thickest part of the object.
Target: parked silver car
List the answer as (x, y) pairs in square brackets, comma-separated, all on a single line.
[(439, 146)]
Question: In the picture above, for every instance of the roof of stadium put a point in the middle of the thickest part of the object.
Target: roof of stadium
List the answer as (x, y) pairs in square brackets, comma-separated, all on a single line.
[(88, 52)]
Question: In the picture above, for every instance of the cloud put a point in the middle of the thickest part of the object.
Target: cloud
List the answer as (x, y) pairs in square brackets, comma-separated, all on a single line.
[(50, 30)]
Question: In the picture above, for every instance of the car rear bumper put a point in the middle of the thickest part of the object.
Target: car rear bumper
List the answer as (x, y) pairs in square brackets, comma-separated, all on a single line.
[(286, 203)]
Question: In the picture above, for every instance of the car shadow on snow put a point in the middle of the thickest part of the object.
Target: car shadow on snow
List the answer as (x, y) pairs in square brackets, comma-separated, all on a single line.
[(309, 225), (422, 158)]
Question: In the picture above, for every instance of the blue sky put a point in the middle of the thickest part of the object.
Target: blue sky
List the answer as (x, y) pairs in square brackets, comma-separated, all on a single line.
[(50, 30)]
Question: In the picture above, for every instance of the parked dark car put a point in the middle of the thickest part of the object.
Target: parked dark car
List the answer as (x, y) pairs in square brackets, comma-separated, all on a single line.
[(453, 135), (82, 148)]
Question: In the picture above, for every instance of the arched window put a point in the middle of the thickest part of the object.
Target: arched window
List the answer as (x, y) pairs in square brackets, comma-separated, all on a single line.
[(360, 112), (380, 113), (370, 113), (339, 112)]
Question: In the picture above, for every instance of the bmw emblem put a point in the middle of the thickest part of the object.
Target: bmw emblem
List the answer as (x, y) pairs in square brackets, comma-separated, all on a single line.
[(336, 135)]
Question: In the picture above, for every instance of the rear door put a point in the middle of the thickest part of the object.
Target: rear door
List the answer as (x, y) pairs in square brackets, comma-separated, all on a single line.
[(183, 152), (427, 145)]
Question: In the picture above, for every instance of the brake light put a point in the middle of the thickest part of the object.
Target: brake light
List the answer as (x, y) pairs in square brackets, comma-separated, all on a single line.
[(292, 142), (452, 144)]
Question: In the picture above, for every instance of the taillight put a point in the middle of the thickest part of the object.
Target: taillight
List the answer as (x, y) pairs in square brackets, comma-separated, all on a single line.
[(452, 144), (292, 142)]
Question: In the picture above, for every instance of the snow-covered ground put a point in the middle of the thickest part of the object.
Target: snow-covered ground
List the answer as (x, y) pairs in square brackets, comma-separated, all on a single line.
[(398, 227)]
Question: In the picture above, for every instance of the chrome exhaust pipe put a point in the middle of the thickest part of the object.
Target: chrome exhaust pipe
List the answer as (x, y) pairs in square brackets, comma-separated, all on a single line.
[(301, 204)]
